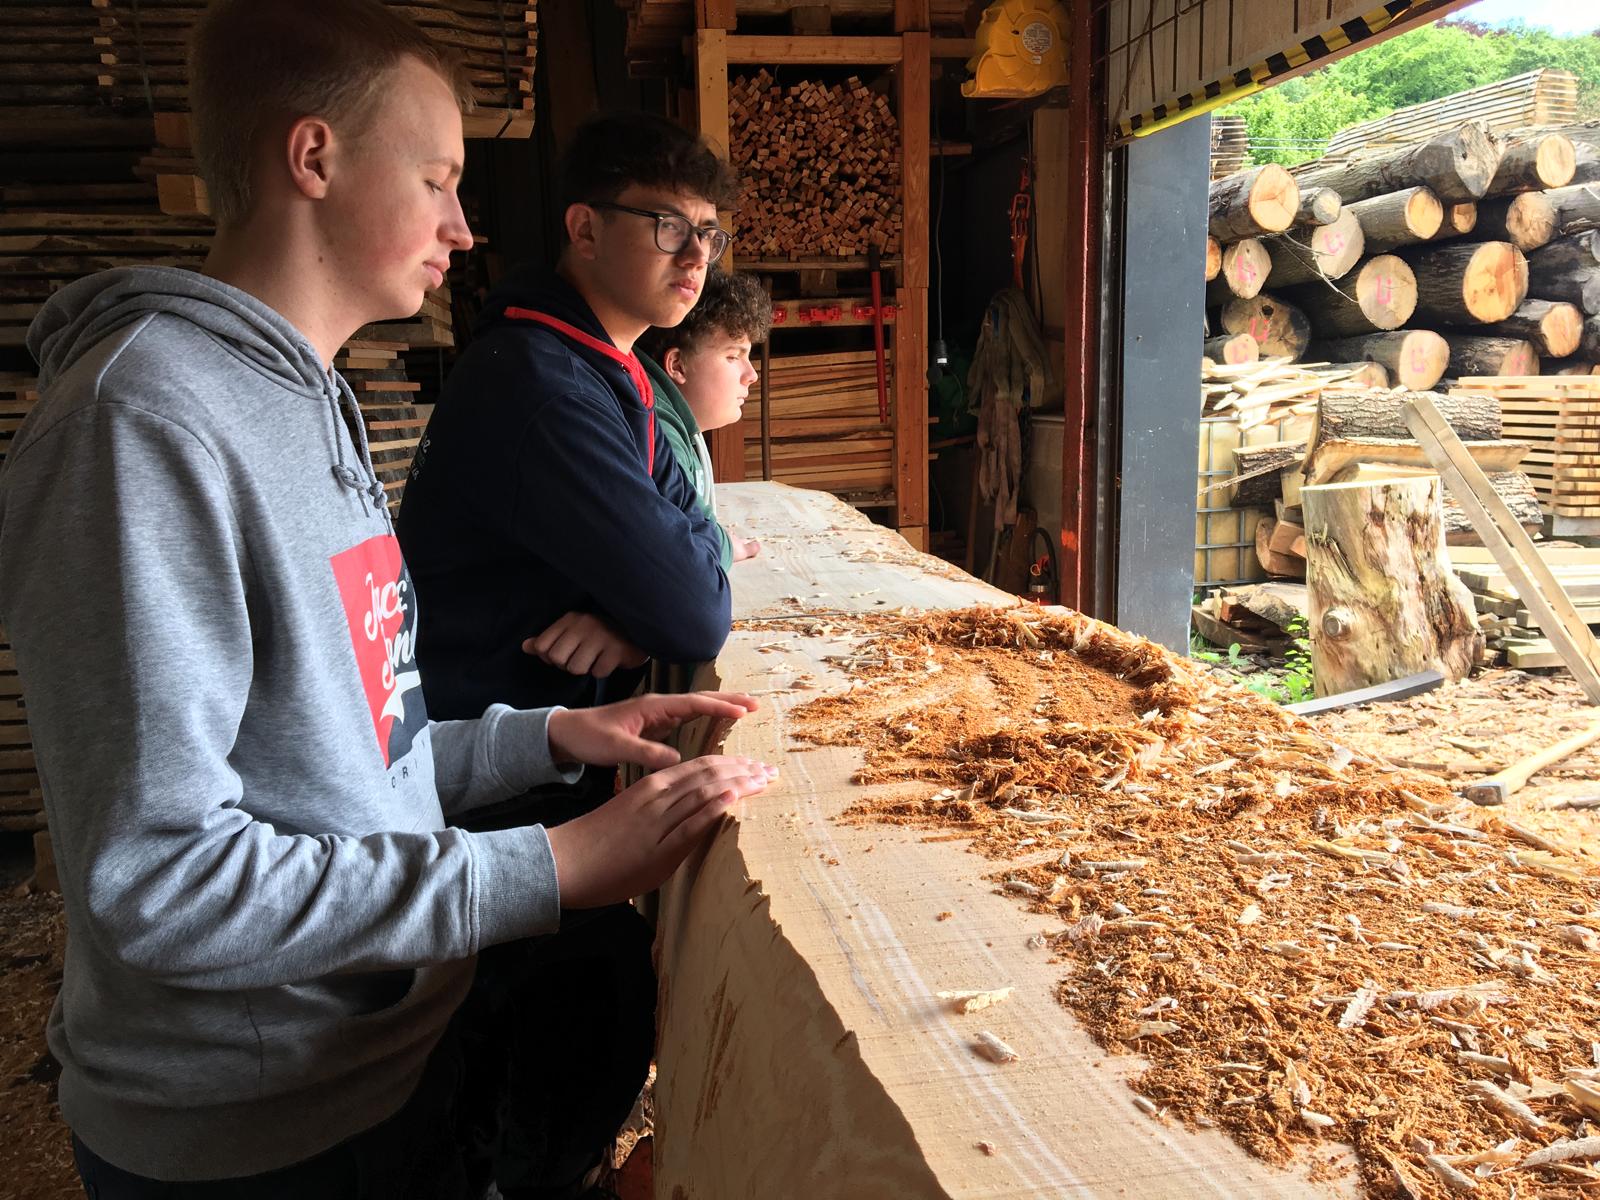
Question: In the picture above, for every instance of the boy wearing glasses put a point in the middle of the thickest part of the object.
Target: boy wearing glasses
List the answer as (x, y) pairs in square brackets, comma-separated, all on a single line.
[(545, 506)]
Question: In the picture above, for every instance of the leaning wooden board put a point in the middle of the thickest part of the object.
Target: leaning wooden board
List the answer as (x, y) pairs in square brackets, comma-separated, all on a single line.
[(802, 1050)]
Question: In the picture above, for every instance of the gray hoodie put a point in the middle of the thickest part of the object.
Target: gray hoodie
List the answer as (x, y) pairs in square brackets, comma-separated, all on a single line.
[(269, 924)]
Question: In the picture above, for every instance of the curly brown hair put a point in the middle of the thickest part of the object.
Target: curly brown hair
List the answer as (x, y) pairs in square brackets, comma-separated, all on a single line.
[(736, 305)]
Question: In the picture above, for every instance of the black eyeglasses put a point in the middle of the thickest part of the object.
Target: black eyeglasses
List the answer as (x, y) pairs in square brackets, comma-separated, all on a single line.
[(673, 231)]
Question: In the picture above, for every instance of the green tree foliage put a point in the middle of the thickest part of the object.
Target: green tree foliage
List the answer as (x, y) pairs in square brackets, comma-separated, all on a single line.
[(1290, 123)]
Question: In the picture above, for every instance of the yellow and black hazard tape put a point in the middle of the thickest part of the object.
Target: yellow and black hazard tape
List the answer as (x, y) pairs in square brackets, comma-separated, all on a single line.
[(1254, 78)]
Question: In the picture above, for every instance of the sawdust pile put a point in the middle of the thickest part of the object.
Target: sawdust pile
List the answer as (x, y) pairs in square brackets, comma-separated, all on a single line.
[(1309, 947)]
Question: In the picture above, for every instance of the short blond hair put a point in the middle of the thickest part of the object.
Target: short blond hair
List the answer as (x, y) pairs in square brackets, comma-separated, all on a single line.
[(255, 63)]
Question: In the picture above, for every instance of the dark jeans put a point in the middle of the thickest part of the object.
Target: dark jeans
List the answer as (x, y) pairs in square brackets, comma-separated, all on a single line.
[(534, 1076)]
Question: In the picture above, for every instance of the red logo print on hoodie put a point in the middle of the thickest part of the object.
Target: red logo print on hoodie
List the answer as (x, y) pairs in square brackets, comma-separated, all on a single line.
[(381, 607)]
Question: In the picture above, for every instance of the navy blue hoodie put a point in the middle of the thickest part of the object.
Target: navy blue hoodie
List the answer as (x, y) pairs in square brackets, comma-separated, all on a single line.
[(544, 486)]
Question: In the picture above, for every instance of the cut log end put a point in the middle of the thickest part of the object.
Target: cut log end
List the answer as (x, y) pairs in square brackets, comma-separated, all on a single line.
[(1213, 258), (1233, 348)]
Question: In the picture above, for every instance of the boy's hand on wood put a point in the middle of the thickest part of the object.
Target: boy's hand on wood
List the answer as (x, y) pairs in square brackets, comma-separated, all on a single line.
[(629, 845), (584, 644), (626, 732)]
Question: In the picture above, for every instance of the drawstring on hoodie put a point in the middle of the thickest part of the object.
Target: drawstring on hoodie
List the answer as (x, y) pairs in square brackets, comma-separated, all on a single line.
[(369, 486)]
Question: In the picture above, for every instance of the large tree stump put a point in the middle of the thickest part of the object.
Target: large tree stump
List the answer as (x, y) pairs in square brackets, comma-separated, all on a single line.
[(1281, 329), (1398, 218), (1527, 221), (1415, 358), (1261, 200), (1318, 206), (1346, 413), (1469, 283), (1243, 272), (1457, 165), (1532, 164), (1471, 355), (1459, 219), (1381, 295), (1329, 252), (1384, 602), (1554, 327), (1233, 348), (1568, 269)]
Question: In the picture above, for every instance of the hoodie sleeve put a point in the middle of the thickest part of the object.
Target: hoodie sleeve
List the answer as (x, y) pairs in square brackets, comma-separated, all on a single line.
[(638, 543), (502, 755), (135, 646)]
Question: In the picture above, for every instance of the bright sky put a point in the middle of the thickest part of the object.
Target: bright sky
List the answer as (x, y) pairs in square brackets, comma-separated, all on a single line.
[(1561, 16)]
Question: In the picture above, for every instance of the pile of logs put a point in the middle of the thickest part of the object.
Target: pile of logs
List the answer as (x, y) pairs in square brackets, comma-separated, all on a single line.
[(1460, 255), (820, 165)]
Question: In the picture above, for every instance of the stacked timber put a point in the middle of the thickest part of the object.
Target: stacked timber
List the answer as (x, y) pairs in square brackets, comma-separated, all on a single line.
[(1513, 632), (1560, 420), (826, 429), (1230, 144), (1460, 254), (1543, 97), (820, 165)]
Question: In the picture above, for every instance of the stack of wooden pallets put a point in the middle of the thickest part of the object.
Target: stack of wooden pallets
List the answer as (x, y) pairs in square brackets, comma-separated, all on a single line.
[(1512, 631), (1560, 417)]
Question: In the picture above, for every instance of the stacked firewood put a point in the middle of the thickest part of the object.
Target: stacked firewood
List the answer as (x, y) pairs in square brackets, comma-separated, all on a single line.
[(821, 168), (1463, 255)]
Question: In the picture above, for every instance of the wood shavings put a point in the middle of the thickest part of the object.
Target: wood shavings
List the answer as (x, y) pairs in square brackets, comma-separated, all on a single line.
[(1448, 1175), (993, 1048), (1565, 1150), (1586, 1096), (1507, 1104), (1360, 1005), (972, 1001)]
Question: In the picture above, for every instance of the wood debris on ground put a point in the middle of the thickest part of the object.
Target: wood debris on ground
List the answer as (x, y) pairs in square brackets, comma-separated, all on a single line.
[(1405, 952)]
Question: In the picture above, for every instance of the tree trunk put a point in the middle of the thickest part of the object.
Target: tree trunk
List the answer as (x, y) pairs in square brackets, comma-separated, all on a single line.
[(1384, 602), (1457, 165), (1469, 283), (1357, 374), (1491, 356), (1527, 221), (1398, 219), (1244, 272), (1256, 469), (1577, 207), (1587, 169), (1532, 164), (1514, 487), (1213, 258), (1282, 329), (1554, 327), (1261, 200), (1232, 348), (1343, 414), (1459, 219), (1329, 252), (1381, 295), (1568, 269), (1318, 206), (1415, 358)]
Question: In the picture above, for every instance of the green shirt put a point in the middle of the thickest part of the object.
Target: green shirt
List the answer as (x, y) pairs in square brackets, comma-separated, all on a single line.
[(682, 431)]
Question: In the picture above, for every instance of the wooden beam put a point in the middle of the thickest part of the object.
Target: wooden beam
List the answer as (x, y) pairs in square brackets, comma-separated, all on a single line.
[(912, 15), (836, 49), (711, 120), (715, 14), (910, 413), (915, 97), (1514, 551)]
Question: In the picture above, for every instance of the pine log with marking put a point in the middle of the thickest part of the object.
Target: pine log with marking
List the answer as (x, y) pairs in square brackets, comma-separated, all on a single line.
[(1319, 206), (1213, 258), (1381, 295), (1261, 200), (1554, 327), (1533, 164), (1457, 165), (1414, 358), (1384, 602), (1398, 218), (1465, 283), (1233, 348), (1282, 329), (1568, 269), (1346, 413), (1245, 267), (1527, 221), (1471, 355), (1328, 251)]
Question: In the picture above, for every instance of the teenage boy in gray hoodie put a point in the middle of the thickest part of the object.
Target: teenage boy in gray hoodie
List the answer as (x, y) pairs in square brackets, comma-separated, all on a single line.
[(270, 924)]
